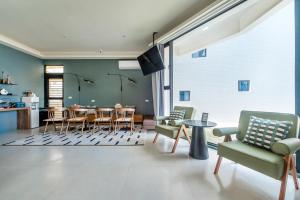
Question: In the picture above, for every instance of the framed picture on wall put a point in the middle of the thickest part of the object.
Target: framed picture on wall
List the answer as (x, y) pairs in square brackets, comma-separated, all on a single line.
[(244, 85), (184, 95)]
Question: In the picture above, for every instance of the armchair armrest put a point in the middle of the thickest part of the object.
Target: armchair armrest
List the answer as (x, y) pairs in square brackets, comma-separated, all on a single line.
[(286, 147), (176, 122), (161, 118), (220, 132)]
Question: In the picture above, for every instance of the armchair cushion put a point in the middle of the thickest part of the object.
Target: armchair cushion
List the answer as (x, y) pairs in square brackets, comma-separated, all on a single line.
[(169, 131), (287, 146), (177, 115), (220, 132), (263, 132), (256, 158)]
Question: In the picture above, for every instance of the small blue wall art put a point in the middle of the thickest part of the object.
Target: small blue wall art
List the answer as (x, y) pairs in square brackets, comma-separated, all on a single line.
[(244, 85), (184, 95)]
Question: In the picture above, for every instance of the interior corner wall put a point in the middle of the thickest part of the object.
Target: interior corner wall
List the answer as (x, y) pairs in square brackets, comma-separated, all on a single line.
[(297, 68), (106, 90), (25, 70)]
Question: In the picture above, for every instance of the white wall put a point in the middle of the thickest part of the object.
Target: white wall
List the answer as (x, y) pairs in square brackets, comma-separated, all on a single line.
[(264, 55)]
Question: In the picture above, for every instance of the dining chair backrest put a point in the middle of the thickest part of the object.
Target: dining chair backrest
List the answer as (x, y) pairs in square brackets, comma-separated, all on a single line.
[(76, 112), (104, 112), (56, 112), (125, 113)]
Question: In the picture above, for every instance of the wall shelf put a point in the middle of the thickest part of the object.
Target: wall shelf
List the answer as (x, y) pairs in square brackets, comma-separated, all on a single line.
[(13, 95), (8, 84)]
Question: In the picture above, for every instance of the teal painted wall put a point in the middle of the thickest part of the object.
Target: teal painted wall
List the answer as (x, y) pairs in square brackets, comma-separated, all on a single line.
[(106, 91), (27, 71)]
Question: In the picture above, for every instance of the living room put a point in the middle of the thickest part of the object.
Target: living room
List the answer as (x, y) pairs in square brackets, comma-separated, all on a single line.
[(148, 99)]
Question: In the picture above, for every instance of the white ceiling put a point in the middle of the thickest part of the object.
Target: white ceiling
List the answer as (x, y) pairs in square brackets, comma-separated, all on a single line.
[(232, 23), (85, 26)]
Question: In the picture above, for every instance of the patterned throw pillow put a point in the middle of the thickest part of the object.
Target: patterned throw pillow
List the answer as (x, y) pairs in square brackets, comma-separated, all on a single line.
[(177, 115), (264, 132)]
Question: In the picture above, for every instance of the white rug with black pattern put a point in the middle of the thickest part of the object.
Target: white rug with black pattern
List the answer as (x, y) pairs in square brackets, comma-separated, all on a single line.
[(76, 138)]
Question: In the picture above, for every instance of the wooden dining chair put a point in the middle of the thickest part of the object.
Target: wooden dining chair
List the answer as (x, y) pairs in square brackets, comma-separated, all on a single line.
[(103, 115), (124, 116), (77, 115), (55, 115)]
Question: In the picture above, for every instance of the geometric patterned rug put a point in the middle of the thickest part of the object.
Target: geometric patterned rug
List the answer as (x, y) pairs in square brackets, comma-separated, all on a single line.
[(75, 138)]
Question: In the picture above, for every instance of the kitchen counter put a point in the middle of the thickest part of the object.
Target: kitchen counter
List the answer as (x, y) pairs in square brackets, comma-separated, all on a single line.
[(13, 109), (14, 118)]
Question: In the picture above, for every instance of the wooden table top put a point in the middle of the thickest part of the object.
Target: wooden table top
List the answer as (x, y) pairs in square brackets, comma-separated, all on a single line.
[(13, 109)]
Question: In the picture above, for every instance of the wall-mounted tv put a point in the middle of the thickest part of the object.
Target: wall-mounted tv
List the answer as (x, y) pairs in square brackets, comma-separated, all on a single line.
[(151, 61)]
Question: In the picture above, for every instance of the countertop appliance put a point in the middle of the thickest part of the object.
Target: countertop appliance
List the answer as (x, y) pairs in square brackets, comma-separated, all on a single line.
[(33, 103)]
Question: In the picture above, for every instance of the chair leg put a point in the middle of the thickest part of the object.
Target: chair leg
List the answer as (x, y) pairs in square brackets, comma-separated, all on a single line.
[(155, 138), (115, 127), (131, 127), (62, 126), (294, 172), (45, 130), (94, 127), (110, 126), (284, 178), (82, 127), (54, 126), (176, 140), (67, 127), (186, 134), (218, 165)]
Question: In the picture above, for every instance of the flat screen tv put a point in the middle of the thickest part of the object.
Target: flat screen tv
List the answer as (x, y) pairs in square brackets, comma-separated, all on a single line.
[(151, 61)]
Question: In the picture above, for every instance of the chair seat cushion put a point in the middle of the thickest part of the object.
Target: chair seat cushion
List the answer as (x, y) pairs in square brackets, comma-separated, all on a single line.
[(54, 119), (77, 119), (256, 158), (170, 131), (103, 119), (126, 119)]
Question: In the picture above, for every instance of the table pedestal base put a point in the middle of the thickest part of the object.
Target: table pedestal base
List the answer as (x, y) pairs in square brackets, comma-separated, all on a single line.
[(198, 148)]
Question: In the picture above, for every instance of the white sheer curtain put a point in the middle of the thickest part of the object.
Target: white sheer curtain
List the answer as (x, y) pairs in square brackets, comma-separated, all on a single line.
[(157, 92)]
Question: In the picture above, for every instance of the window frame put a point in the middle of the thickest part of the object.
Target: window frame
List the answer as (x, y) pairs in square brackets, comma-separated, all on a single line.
[(170, 85), (48, 76)]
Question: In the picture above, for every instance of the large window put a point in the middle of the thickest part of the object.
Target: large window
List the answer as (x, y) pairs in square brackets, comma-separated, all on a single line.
[(250, 70), (54, 86), (167, 88)]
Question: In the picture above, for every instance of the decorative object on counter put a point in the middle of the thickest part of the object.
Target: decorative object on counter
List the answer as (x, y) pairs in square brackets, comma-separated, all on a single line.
[(6, 79), (29, 93), (17, 104), (2, 77), (3, 91)]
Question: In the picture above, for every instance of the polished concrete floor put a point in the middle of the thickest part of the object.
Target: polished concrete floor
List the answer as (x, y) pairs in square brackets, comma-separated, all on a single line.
[(110, 173)]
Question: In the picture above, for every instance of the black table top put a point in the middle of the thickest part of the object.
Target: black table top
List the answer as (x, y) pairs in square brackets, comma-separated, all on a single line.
[(199, 123)]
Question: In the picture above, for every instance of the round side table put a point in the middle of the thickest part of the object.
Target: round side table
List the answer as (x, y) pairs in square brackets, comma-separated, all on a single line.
[(198, 148)]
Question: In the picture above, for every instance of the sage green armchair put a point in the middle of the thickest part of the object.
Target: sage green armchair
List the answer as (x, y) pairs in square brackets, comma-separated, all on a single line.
[(275, 163), (175, 129)]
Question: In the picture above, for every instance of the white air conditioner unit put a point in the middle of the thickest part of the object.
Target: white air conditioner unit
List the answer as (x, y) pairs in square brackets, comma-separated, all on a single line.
[(129, 64)]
